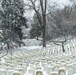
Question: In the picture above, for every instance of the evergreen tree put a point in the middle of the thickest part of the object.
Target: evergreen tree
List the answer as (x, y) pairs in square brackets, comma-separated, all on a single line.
[(36, 28), (12, 16)]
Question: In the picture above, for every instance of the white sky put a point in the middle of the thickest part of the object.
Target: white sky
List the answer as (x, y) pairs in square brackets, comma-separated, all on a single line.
[(60, 2)]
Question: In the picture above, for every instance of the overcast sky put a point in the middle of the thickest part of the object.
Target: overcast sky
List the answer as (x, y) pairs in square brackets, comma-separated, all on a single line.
[(60, 2)]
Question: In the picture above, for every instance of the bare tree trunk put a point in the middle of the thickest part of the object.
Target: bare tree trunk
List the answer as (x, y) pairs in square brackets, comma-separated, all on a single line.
[(44, 31), (43, 8), (63, 47), (11, 53)]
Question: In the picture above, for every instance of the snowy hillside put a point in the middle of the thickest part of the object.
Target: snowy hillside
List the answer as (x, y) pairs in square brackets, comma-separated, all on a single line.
[(38, 37), (32, 42), (29, 60)]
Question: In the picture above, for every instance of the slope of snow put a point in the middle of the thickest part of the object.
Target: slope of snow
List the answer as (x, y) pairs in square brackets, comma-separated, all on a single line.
[(30, 48), (32, 42), (49, 60)]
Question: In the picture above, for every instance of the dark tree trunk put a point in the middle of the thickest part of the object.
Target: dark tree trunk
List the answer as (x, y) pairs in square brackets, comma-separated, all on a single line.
[(44, 31), (63, 47), (44, 23)]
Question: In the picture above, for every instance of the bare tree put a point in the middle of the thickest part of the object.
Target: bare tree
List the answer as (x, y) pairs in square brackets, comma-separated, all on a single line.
[(41, 15), (62, 30)]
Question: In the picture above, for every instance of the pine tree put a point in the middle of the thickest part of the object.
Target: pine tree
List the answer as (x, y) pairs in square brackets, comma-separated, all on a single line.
[(36, 28), (12, 16)]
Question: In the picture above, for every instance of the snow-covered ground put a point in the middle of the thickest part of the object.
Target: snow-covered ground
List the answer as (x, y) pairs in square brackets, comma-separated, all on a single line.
[(32, 42), (33, 59)]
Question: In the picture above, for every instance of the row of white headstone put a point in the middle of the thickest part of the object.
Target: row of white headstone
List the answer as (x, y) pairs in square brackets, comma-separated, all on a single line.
[(20, 62), (46, 61)]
